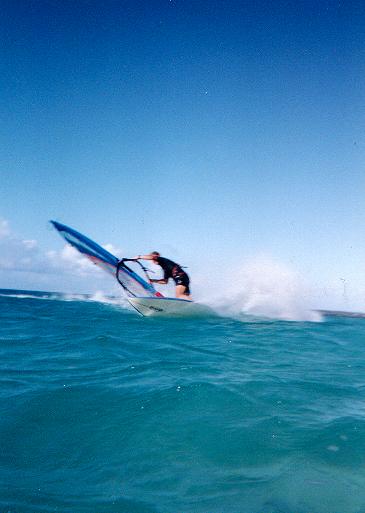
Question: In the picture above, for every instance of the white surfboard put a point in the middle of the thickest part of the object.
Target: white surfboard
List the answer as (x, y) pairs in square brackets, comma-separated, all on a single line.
[(168, 307)]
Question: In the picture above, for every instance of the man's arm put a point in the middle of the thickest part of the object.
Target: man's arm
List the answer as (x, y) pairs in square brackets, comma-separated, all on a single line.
[(150, 257), (143, 257)]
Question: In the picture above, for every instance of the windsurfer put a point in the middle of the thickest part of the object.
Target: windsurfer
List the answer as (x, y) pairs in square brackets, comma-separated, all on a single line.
[(171, 270)]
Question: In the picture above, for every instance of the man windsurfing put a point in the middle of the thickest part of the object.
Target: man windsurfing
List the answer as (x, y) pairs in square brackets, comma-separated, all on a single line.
[(171, 270)]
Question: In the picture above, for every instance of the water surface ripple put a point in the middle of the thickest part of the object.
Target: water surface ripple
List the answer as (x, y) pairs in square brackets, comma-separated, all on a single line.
[(105, 411)]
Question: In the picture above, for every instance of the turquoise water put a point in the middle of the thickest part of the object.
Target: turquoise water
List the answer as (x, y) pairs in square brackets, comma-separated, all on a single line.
[(105, 411)]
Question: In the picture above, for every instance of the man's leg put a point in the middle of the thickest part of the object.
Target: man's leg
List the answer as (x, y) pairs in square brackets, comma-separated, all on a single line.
[(181, 292)]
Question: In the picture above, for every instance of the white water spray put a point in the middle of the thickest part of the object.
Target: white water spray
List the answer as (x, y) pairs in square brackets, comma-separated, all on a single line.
[(262, 287)]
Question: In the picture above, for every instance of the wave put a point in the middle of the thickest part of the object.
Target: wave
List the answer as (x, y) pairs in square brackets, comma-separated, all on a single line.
[(99, 296), (30, 295)]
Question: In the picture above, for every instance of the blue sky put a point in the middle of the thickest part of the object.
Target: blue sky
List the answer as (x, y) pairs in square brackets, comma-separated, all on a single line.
[(211, 131)]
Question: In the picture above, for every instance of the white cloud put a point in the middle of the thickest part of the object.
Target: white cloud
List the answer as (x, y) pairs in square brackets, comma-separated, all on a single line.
[(24, 263), (4, 228), (30, 244), (70, 260), (21, 255), (13, 251), (113, 250)]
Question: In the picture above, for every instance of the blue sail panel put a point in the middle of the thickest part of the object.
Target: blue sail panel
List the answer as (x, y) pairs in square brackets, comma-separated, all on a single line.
[(131, 281), (88, 247)]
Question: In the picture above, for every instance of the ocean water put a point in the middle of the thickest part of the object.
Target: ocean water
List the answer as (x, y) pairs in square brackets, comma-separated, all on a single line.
[(104, 411)]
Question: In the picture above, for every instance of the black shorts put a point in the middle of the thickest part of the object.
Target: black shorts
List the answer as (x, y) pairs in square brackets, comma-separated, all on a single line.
[(183, 279)]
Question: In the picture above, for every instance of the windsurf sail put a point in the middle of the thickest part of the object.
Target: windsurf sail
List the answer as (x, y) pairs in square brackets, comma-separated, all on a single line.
[(131, 281), (128, 275)]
